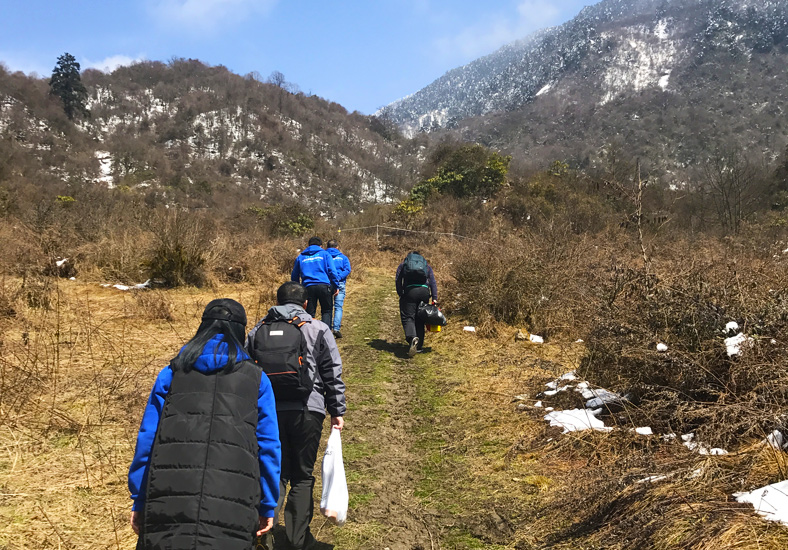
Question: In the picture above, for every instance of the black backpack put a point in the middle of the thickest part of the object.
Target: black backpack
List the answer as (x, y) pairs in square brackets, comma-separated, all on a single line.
[(414, 270), (279, 348)]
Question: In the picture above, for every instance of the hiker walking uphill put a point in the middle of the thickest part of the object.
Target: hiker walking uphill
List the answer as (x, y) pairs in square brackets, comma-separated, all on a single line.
[(342, 268), (415, 282), (205, 472), (314, 268), (301, 358)]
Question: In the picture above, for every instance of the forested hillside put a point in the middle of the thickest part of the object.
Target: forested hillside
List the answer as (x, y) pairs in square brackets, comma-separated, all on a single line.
[(187, 133)]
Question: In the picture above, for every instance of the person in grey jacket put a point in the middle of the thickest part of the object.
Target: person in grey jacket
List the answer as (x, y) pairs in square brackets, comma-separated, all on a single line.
[(300, 424)]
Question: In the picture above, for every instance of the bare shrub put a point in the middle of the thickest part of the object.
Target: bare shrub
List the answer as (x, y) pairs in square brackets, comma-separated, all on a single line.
[(154, 304), (37, 292), (120, 256), (527, 280), (22, 253), (686, 303), (179, 253), (9, 299)]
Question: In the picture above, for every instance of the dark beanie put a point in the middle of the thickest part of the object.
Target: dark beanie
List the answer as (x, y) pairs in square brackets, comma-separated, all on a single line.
[(225, 309)]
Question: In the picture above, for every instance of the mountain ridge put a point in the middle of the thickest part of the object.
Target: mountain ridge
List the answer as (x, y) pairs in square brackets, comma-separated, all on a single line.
[(617, 58)]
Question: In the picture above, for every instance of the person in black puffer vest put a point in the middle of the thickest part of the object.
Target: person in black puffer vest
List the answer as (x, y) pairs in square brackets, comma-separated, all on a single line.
[(205, 472)]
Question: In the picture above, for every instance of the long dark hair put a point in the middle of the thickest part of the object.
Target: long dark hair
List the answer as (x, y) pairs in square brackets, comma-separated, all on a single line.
[(232, 332)]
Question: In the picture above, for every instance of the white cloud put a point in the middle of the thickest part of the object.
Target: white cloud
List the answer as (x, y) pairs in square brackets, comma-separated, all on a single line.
[(112, 62), (490, 34), (202, 15), (29, 65)]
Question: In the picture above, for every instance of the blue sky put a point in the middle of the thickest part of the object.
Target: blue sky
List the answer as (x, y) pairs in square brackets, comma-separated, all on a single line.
[(362, 54)]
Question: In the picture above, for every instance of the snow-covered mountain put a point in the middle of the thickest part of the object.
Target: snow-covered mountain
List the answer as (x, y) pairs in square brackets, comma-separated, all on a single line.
[(657, 71)]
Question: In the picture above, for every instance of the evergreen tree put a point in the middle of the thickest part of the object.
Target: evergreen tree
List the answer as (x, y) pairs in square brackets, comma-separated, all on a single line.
[(66, 84)]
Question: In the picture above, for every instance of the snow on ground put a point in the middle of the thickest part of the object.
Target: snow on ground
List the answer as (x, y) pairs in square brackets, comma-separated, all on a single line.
[(639, 61), (734, 344), (597, 400), (576, 420), (544, 89), (771, 501), (105, 168), (139, 286)]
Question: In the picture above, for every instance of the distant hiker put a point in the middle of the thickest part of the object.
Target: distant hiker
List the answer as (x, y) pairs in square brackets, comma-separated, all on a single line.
[(300, 355), (314, 268), (205, 472), (415, 284), (342, 269)]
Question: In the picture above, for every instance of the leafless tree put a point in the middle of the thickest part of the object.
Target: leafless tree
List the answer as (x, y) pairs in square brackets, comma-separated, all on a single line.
[(733, 183)]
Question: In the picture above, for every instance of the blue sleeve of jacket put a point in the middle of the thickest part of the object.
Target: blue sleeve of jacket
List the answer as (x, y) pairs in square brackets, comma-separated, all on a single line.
[(332, 274), (295, 276), (269, 452), (345, 267), (138, 471), (398, 279), (433, 284)]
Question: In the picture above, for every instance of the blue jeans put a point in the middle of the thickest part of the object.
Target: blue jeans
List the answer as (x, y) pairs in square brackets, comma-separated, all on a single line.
[(339, 300)]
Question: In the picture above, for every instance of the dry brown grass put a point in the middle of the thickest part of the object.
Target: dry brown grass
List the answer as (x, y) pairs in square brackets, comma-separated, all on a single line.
[(75, 374), (74, 380)]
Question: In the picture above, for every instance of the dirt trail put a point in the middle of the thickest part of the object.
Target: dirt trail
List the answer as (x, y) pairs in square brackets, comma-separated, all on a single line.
[(383, 467)]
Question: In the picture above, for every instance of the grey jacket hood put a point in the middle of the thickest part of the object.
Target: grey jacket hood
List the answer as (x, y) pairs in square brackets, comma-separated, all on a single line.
[(288, 311)]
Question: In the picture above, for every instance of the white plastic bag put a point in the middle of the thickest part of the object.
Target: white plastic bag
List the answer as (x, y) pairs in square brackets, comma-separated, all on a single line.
[(334, 501)]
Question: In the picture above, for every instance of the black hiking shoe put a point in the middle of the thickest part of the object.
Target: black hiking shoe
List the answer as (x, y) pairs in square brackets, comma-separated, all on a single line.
[(414, 344), (337, 334)]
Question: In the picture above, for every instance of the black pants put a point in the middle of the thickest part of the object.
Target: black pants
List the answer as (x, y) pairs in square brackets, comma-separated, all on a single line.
[(299, 434), (322, 294), (408, 306)]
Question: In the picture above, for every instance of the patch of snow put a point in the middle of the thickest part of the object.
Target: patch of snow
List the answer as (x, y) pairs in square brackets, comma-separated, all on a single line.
[(105, 168), (469, 329), (700, 448), (139, 286), (770, 501), (536, 339), (652, 479), (776, 440), (662, 348), (661, 29), (734, 344), (639, 62), (732, 326), (664, 80), (544, 89), (644, 431), (576, 420)]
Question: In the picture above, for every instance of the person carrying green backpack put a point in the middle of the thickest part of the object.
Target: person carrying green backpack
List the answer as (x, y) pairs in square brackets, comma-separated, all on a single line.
[(415, 283)]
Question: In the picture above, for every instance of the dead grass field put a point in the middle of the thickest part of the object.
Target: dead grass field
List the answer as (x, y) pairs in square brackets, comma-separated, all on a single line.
[(483, 472)]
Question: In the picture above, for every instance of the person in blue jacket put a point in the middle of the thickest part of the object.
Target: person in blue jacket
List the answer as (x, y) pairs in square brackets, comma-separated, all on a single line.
[(342, 268), (314, 269), (206, 466)]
